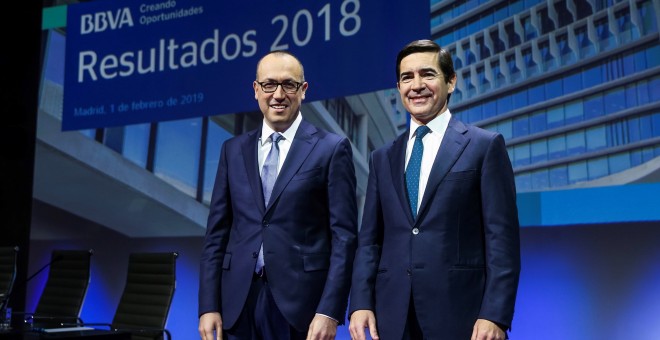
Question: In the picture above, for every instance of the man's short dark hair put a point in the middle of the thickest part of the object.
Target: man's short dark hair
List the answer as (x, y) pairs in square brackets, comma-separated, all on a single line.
[(422, 46)]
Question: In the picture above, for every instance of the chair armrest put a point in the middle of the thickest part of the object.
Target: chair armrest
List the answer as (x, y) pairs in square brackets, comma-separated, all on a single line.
[(52, 321), (89, 324)]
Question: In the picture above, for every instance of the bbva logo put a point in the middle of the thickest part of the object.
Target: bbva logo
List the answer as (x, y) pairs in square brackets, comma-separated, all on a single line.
[(101, 21)]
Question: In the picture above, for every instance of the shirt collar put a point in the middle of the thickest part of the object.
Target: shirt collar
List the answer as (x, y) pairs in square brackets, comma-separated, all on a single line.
[(288, 133), (439, 123)]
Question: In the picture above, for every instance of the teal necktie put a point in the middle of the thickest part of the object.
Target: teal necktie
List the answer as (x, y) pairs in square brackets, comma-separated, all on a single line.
[(414, 167)]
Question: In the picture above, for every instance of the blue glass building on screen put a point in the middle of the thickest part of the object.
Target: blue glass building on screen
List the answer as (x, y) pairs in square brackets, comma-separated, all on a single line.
[(573, 85)]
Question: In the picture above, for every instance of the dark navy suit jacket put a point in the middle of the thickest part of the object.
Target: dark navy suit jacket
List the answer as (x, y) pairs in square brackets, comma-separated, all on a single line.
[(308, 229), (464, 262)]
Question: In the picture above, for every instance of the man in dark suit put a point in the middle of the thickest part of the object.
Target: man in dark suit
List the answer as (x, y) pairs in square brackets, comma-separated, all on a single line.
[(438, 251), (282, 228)]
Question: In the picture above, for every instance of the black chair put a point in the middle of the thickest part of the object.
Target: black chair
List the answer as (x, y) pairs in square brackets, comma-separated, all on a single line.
[(145, 302), (63, 295), (8, 258)]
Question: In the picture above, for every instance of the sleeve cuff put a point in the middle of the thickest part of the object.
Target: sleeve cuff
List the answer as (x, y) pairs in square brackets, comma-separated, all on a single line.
[(331, 318)]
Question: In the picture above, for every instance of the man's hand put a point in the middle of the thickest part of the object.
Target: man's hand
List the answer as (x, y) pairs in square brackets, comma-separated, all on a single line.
[(322, 328), (208, 323), (487, 330), (361, 319)]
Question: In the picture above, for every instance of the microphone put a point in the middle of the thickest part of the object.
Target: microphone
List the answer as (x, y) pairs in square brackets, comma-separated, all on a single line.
[(53, 260), (5, 299), (56, 258)]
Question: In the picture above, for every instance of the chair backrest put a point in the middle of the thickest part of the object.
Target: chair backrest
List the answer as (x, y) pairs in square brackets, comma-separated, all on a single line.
[(8, 258), (66, 286), (147, 295)]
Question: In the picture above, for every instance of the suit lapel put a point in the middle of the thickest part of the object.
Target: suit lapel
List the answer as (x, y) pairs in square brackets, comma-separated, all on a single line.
[(452, 146), (250, 150), (302, 145), (397, 156)]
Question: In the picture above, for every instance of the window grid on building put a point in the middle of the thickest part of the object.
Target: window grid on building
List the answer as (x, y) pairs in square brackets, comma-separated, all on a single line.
[(572, 85)]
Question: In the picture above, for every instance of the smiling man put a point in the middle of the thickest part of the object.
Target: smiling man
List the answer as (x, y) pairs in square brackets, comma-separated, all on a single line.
[(438, 252), (281, 232)]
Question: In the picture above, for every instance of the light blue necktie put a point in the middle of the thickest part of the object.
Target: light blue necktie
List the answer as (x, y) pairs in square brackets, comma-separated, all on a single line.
[(269, 170), (268, 177), (414, 167)]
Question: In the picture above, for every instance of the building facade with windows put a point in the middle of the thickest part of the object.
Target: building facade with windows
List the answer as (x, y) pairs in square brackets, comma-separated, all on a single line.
[(146, 187), (164, 171), (573, 85)]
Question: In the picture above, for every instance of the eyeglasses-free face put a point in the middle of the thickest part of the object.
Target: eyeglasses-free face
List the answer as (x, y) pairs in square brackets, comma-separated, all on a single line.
[(422, 86)]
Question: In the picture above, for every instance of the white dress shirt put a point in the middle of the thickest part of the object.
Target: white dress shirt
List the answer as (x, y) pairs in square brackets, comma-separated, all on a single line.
[(431, 141), (284, 144)]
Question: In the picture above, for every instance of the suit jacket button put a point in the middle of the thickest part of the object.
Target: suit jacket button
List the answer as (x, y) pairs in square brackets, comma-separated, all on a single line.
[(254, 255), (409, 272), (415, 231)]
